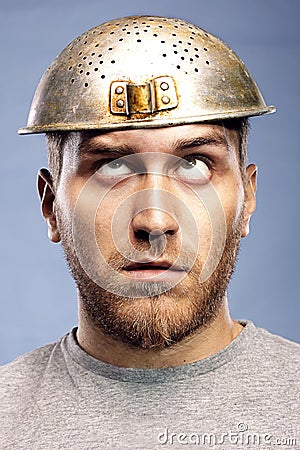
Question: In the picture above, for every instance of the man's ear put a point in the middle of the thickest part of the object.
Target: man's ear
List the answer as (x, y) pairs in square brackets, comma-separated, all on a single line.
[(47, 196), (250, 200)]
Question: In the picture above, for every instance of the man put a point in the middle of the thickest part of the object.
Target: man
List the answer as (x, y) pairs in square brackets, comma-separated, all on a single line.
[(149, 194)]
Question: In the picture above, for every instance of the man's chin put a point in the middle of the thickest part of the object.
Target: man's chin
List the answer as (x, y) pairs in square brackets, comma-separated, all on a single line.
[(137, 289)]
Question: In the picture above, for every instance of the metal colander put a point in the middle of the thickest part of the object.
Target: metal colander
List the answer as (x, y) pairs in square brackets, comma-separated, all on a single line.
[(143, 71)]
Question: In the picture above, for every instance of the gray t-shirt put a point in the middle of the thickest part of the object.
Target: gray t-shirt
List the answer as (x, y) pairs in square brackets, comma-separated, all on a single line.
[(244, 397)]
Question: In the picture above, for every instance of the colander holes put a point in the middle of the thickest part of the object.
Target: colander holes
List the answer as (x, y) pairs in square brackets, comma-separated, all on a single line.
[(207, 62), (145, 31), (175, 26), (190, 27), (174, 34), (90, 63), (196, 49), (135, 26), (72, 81), (148, 26), (160, 26), (178, 67), (93, 54), (110, 48), (96, 45), (196, 70), (79, 65), (102, 76), (80, 53), (182, 57), (191, 37), (84, 57), (143, 23), (186, 50), (87, 73), (100, 62), (81, 71), (180, 42), (128, 32), (70, 68), (137, 33), (86, 84), (113, 61), (123, 29), (175, 51), (85, 42), (164, 55), (189, 43), (138, 40), (196, 56), (112, 32), (100, 55), (206, 34), (121, 39), (134, 23), (96, 69), (205, 49), (193, 32), (191, 59), (174, 45), (163, 42), (155, 35)]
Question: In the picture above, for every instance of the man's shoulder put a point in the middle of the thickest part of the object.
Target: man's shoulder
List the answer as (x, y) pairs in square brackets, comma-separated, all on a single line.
[(278, 351), (27, 367)]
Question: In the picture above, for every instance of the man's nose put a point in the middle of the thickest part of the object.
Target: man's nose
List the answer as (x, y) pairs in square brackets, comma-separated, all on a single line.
[(154, 222), (157, 211)]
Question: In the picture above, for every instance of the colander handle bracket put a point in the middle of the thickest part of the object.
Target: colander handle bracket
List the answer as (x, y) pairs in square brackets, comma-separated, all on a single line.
[(157, 95)]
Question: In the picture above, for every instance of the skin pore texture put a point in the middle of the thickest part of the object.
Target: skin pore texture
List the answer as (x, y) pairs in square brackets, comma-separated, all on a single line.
[(152, 203)]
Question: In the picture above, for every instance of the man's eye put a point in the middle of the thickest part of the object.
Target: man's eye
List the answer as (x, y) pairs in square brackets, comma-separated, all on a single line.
[(114, 168), (193, 168)]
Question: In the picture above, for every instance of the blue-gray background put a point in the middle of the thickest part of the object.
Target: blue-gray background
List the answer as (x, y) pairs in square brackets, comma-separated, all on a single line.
[(38, 297)]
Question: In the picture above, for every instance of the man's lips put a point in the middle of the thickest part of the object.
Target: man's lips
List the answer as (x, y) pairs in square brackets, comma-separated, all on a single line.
[(159, 270)]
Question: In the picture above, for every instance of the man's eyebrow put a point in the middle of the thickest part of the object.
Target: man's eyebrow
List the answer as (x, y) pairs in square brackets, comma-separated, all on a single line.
[(184, 144), (92, 147)]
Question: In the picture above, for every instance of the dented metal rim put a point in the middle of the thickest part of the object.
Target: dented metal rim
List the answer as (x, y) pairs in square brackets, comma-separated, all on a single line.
[(146, 123)]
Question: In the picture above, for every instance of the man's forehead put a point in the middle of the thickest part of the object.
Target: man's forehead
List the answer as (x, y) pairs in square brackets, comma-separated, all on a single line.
[(159, 139)]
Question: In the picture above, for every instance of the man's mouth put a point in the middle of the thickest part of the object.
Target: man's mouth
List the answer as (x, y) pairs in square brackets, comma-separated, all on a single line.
[(159, 270)]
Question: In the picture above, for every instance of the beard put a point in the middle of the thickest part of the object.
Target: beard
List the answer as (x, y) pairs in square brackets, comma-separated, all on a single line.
[(153, 315)]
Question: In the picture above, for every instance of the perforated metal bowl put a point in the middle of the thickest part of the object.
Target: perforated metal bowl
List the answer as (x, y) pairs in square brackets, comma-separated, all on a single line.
[(143, 72)]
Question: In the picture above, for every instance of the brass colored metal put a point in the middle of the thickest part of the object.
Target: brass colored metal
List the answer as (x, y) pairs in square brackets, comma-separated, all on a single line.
[(139, 72), (128, 98)]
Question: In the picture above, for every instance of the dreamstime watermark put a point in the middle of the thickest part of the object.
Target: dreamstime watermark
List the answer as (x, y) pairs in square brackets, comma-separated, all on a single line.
[(103, 188), (240, 436)]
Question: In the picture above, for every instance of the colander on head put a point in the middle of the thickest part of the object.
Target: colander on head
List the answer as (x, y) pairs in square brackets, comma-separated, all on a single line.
[(139, 72)]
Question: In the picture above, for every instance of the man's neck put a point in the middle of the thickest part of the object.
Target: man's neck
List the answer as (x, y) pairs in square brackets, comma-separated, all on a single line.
[(204, 342)]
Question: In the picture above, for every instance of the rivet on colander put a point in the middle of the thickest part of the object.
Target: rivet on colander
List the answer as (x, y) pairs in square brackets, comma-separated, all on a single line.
[(120, 103), (165, 99), (119, 90), (164, 86)]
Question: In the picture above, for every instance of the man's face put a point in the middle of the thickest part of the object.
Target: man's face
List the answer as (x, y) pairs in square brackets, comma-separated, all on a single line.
[(150, 222)]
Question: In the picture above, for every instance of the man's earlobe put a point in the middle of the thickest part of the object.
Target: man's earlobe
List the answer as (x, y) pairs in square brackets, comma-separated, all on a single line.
[(250, 200), (47, 196)]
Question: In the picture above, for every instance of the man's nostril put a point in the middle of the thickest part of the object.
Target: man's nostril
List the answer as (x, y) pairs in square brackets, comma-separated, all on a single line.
[(142, 235)]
